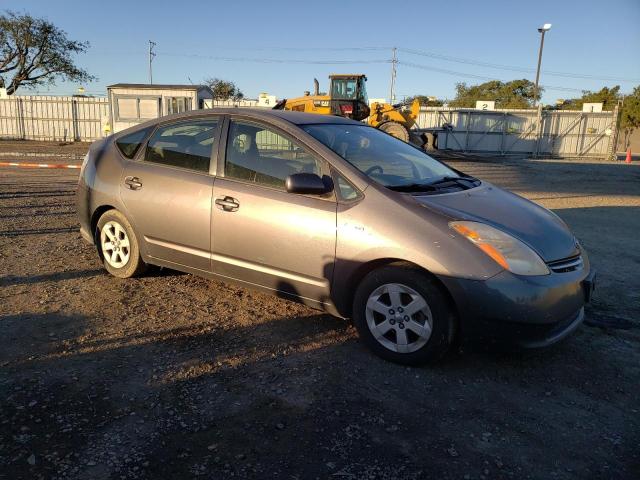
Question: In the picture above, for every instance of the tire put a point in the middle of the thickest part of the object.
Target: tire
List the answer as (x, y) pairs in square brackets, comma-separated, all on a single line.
[(387, 301), (417, 140), (118, 246), (395, 130)]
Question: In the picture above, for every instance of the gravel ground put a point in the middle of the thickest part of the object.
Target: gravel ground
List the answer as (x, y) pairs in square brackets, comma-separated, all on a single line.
[(10, 150), (173, 376)]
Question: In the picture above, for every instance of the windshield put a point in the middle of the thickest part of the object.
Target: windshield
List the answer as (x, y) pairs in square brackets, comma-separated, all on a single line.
[(380, 156), (344, 88)]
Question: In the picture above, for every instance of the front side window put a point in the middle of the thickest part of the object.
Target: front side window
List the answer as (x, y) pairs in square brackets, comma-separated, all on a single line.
[(346, 191), (257, 154), (385, 159), (185, 144)]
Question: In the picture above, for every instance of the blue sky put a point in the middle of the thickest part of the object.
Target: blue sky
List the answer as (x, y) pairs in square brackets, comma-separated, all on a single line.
[(589, 38)]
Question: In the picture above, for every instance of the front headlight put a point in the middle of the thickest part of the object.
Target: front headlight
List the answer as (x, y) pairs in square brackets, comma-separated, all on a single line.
[(509, 252)]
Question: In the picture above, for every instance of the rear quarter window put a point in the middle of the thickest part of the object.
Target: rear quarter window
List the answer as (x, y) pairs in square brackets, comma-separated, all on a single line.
[(129, 144)]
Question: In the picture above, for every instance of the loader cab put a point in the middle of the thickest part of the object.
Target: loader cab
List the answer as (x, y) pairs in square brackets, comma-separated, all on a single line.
[(349, 96)]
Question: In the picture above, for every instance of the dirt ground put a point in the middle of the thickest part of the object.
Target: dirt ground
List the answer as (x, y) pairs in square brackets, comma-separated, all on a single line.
[(173, 376), (15, 150)]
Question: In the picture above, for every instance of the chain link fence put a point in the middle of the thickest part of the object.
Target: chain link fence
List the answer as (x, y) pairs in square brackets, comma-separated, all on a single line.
[(545, 133)]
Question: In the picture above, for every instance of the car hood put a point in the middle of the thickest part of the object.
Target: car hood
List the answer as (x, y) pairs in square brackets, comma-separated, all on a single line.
[(536, 226)]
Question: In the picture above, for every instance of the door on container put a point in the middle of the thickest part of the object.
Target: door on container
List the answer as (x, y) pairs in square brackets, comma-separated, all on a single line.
[(167, 191), (262, 234)]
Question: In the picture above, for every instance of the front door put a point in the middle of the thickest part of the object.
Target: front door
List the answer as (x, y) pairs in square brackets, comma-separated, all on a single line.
[(263, 235), (167, 192)]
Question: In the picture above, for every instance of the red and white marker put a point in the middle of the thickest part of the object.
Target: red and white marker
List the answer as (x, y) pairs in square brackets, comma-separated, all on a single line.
[(39, 165)]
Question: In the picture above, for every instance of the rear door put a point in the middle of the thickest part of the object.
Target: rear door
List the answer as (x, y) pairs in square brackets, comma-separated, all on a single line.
[(262, 234), (167, 191)]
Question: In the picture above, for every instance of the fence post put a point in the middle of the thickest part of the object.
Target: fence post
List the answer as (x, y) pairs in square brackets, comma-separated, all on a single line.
[(538, 132), (74, 120), (504, 130), (20, 119), (466, 137), (613, 138)]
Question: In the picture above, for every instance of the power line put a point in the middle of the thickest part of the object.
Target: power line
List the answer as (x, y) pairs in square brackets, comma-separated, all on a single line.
[(498, 66), (307, 49), (479, 77), (411, 51), (272, 60)]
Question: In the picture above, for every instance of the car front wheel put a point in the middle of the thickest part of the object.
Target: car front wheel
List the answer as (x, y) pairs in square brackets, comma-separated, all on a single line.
[(403, 315), (118, 246)]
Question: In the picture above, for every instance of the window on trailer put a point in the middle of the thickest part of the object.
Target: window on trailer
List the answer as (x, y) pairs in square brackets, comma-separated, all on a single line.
[(133, 108), (178, 104)]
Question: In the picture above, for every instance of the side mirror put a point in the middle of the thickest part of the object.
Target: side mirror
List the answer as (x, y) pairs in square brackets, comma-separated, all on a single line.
[(308, 183)]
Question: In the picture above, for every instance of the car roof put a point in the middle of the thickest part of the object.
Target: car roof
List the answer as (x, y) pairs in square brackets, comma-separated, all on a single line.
[(297, 118)]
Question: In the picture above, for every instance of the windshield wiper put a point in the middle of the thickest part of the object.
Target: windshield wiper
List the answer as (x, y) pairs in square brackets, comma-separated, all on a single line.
[(413, 187), (462, 181)]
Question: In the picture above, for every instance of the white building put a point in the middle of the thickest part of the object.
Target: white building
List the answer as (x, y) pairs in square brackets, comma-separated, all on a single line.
[(134, 103)]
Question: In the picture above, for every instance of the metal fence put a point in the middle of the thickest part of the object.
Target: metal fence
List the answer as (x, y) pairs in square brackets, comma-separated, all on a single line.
[(538, 132), (553, 133), (53, 118)]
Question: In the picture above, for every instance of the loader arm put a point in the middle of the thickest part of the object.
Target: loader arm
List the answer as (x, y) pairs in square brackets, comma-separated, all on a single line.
[(385, 112)]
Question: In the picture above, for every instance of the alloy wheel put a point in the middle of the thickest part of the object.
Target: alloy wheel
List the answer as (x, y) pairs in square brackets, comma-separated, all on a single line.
[(115, 244), (399, 318)]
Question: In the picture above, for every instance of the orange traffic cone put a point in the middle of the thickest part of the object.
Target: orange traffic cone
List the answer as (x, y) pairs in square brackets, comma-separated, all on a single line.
[(628, 159)]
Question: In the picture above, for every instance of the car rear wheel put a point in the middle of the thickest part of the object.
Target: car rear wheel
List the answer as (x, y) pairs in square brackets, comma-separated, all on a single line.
[(403, 315), (118, 246)]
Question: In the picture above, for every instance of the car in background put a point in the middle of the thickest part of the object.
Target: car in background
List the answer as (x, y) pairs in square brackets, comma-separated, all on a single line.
[(340, 216)]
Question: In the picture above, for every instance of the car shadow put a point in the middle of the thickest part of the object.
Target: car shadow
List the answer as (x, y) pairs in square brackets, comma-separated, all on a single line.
[(49, 277), (296, 390)]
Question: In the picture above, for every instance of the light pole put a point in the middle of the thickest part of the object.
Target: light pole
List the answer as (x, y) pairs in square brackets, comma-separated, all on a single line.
[(543, 29)]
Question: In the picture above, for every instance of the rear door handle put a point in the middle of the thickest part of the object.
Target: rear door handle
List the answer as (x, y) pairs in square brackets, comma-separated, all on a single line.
[(228, 204), (133, 183)]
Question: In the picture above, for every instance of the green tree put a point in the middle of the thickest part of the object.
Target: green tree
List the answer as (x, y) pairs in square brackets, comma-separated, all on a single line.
[(35, 52), (224, 89), (425, 100), (513, 94), (609, 98), (630, 115)]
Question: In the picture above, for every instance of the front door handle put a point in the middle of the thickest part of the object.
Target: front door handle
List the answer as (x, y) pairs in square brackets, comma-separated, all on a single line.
[(228, 204), (133, 183)]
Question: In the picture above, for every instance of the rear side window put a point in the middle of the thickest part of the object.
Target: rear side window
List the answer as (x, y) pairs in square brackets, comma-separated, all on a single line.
[(185, 144), (129, 144)]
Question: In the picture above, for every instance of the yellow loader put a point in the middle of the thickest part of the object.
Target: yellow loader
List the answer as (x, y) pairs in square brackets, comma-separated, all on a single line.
[(347, 97)]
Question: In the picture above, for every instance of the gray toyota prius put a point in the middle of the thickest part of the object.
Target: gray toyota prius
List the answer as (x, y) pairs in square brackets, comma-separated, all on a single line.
[(340, 216)]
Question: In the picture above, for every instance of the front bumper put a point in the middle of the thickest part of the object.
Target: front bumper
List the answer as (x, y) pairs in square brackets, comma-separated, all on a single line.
[(86, 236), (522, 312)]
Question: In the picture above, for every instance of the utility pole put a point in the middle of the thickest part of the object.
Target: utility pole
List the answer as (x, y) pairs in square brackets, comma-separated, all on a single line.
[(151, 56), (394, 61)]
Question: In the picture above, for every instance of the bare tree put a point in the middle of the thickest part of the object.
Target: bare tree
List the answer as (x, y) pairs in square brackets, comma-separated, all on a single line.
[(35, 52)]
